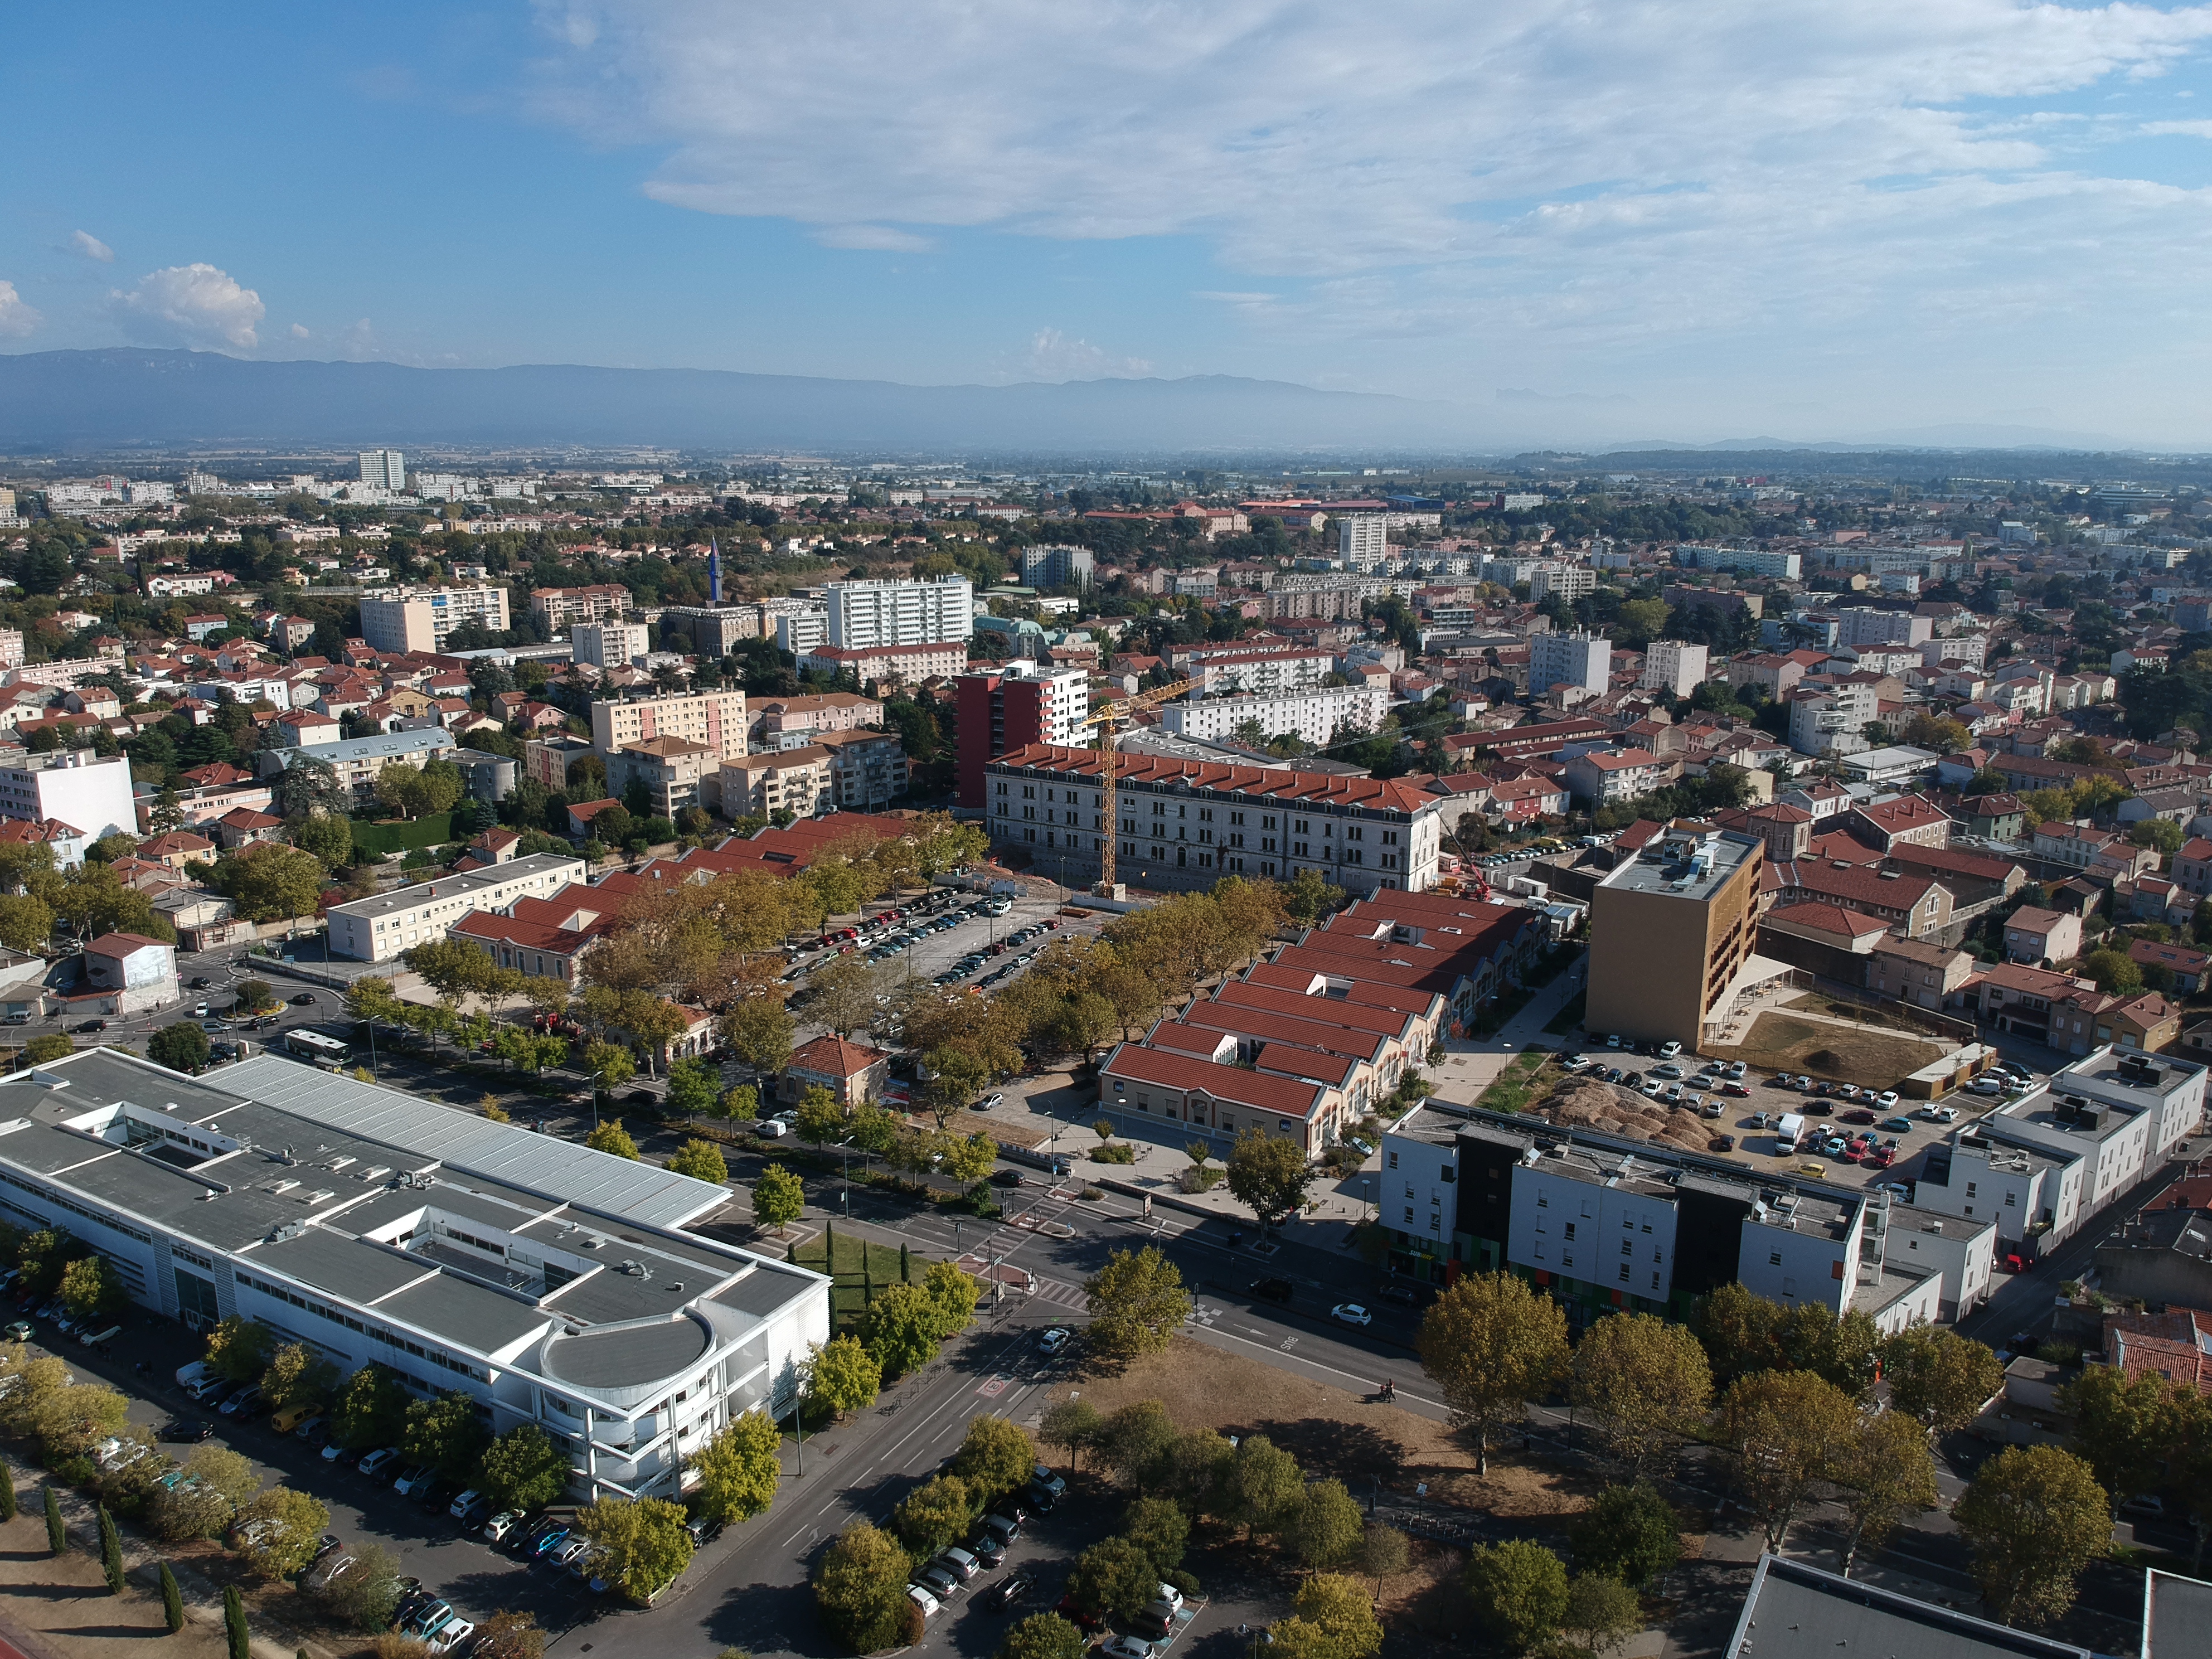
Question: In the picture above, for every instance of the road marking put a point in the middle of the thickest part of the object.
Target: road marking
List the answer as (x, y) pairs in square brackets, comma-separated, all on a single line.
[(1367, 1384), (992, 1386)]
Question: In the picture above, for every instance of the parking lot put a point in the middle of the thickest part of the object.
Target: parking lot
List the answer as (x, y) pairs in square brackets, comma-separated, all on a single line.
[(928, 941), (1747, 1106)]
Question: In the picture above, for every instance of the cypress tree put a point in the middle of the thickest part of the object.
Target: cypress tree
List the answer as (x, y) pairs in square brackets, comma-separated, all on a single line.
[(110, 1552), (829, 1250), (906, 1266), (234, 1623), (867, 1278), (172, 1601), (57, 1534), (791, 1253), (7, 1492)]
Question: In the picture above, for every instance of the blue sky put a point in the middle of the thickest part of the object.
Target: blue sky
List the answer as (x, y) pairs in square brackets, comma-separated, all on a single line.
[(1666, 220)]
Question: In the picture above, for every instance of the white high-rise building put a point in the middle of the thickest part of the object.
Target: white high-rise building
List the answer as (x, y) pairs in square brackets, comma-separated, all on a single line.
[(609, 644), (1363, 536), (1671, 667), (866, 616), (1580, 659), (385, 469)]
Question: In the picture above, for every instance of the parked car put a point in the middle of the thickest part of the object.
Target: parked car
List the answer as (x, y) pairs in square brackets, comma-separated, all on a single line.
[(960, 1563), (1721, 1143), (379, 1460), (1008, 1590), (1398, 1290), (305, 999), (1899, 1125), (1273, 1290), (1351, 1313), (502, 1526), (411, 1479), (930, 1606)]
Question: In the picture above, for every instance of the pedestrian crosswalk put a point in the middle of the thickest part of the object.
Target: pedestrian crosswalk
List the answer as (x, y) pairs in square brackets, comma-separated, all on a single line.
[(1067, 1295)]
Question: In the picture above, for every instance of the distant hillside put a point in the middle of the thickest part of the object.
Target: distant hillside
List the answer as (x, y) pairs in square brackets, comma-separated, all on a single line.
[(79, 400)]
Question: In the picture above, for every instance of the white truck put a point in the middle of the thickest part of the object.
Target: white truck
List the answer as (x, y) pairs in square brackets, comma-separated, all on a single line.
[(1788, 1132)]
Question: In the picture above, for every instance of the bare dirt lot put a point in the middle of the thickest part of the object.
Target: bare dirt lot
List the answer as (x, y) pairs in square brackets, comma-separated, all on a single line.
[(1842, 1054)]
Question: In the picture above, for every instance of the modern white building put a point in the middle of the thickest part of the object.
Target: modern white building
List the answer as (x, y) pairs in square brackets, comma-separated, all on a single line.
[(1578, 660), (1055, 566), (1674, 667), (1314, 715), (74, 787), (609, 644), (384, 468), (549, 1283), (1365, 536), (1757, 561), (379, 928), (801, 631), (866, 615), (1552, 580), (357, 761), (420, 619)]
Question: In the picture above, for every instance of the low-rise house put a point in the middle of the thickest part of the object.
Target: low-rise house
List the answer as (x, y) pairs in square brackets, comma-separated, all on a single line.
[(2074, 844), (2187, 967), (128, 973), (2034, 935), (851, 1072), (176, 848), (1925, 974), (242, 826)]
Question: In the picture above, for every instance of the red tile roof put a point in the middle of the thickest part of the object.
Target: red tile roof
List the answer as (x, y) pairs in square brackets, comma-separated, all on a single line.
[(1285, 1096)]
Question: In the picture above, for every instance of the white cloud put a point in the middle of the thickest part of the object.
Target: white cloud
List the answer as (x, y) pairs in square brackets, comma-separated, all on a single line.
[(191, 305), (17, 319), (1661, 172), (84, 242), (300, 331), (879, 238), (1052, 355)]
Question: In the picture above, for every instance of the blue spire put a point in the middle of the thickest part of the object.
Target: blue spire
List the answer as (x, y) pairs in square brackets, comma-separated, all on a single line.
[(714, 571)]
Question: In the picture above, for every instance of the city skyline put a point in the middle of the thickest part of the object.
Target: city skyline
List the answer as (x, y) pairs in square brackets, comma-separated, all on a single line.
[(1681, 223)]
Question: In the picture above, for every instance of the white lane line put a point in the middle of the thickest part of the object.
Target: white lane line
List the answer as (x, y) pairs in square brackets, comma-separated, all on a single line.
[(1367, 1382)]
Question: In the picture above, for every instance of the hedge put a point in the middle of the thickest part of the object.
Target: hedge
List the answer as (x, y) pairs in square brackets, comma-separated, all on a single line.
[(433, 831)]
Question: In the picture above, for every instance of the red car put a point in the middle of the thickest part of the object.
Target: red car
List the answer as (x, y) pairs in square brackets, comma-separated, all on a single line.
[(1078, 1617)]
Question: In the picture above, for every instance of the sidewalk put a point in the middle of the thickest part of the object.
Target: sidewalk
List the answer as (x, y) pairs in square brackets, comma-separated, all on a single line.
[(1472, 1064)]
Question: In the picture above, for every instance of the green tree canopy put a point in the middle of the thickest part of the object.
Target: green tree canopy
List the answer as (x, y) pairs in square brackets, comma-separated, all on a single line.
[(1491, 1344), (738, 1469), (645, 1540), (1519, 1589), (1137, 1303), (2034, 1517), (523, 1469)]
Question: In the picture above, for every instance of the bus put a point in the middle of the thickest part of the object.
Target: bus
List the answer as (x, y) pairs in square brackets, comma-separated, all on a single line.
[(326, 1051)]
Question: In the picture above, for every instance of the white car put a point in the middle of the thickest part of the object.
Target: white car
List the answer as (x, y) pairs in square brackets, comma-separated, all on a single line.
[(1171, 1595), (991, 1102), (1127, 1647), (930, 1606), (1351, 1313), (1055, 1339), (458, 1631), (1887, 1100), (1669, 1049)]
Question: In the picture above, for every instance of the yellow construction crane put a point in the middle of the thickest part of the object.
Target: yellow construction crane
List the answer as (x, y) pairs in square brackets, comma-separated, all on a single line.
[(1106, 717)]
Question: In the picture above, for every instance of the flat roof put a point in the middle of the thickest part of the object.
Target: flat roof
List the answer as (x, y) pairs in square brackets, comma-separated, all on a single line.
[(1798, 1612), (1685, 865), (460, 886), (624, 1355)]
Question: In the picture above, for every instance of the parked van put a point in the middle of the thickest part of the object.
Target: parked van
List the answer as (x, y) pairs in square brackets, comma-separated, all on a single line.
[(192, 1376), (291, 1417), (1788, 1132)]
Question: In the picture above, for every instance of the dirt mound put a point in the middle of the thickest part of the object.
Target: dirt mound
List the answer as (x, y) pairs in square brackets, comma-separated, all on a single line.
[(1581, 1104)]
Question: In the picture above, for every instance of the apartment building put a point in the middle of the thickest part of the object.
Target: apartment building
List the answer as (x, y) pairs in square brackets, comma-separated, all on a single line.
[(1862, 625), (801, 632), (864, 616), (795, 781), (868, 770), (716, 719), (1672, 934), (714, 630), (559, 608), (1055, 566), (379, 928), (357, 761), (793, 722), (1554, 581), (1186, 824), (609, 644), (382, 469), (1605, 776), (671, 770), (421, 619), (1315, 715), (888, 664), (1603, 1224), (1830, 720), (1750, 560), (1363, 537), (1253, 671), (1674, 667), (544, 1282), (1015, 707), (1579, 659), (73, 787)]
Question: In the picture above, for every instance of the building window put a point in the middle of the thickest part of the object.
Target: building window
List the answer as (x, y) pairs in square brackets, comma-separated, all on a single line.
[(1774, 1258)]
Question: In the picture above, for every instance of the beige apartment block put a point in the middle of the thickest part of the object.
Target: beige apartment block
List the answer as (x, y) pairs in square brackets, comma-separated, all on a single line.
[(671, 770), (422, 618), (716, 719), (1671, 935), (795, 781)]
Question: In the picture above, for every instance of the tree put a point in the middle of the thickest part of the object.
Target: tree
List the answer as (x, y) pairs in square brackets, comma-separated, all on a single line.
[(57, 1534), (289, 1526), (1072, 1426), (958, 1075), (267, 882), (1629, 1532), (1519, 1592), (1268, 1175), (1887, 1474), (90, 1287), (370, 1411), (901, 1329), (613, 1139), (936, 1513), (611, 1066), (701, 1160), (2124, 1426), (1161, 1529), (1137, 1303), (821, 1114), (1603, 1612), (307, 788), (172, 1601), (329, 839), (953, 1293), (1491, 1344), (1787, 1432), (182, 1047), (7, 1492), (845, 993), (644, 1537), (1940, 1377), (110, 1552), (1114, 1578), (2115, 972), (1332, 1618), (234, 1624), (52, 1045), (996, 1456), (297, 1375), (2034, 1517), (1135, 1440), (1264, 1485), (844, 1375), (738, 1469), (860, 1587), (27, 923), (505, 1635), (1327, 1527), (759, 1031), (523, 1469), (1044, 1635), (240, 1348), (1383, 1553), (2161, 833), (778, 1197), (447, 1434), (739, 1100), (691, 1088), (1644, 1381), (1311, 896)]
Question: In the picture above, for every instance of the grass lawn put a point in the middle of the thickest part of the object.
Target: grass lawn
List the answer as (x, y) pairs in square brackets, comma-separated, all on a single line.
[(1842, 1054), (882, 1266), (1526, 1077)]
